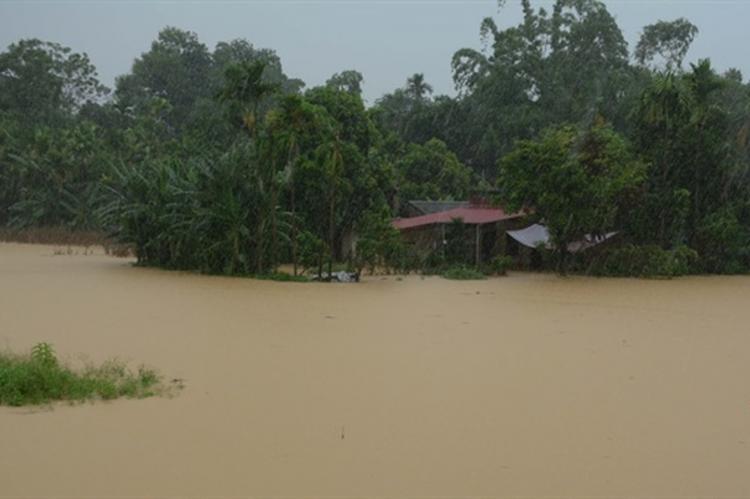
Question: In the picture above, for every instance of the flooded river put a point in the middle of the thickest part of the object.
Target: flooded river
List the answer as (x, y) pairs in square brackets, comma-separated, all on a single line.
[(529, 385)]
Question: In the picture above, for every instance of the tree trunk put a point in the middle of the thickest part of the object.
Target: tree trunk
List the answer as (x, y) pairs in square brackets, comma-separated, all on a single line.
[(331, 234), (274, 202), (259, 248), (320, 263), (562, 262), (294, 208)]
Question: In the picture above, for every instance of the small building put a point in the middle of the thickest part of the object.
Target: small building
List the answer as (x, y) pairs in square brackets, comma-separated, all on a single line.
[(418, 208), (486, 226)]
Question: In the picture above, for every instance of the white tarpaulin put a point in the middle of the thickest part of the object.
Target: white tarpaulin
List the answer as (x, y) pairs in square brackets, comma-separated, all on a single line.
[(532, 236), (537, 235)]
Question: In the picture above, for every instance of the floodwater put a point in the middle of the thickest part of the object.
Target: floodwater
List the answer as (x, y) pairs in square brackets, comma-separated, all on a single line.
[(529, 385)]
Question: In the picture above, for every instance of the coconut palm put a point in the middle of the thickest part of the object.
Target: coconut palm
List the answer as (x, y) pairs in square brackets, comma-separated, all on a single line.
[(246, 89), (417, 87)]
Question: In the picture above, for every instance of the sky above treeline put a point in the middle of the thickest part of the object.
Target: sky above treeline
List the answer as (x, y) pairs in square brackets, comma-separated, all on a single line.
[(386, 40)]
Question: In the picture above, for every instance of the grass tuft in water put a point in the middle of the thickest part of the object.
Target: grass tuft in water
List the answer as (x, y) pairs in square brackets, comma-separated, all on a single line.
[(463, 273), (40, 378)]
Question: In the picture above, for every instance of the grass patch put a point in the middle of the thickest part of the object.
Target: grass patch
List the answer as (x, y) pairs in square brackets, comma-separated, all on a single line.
[(463, 273), (38, 377)]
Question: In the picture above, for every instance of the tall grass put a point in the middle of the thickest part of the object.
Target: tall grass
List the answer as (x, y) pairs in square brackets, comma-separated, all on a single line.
[(38, 377)]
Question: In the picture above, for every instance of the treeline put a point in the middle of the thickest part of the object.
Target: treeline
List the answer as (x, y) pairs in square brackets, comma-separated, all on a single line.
[(204, 160), (216, 160)]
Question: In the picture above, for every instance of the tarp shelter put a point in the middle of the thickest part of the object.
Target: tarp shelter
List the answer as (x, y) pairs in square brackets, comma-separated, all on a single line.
[(537, 235)]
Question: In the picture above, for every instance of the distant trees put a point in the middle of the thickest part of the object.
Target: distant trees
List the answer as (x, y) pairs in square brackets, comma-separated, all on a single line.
[(567, 64), (347, 81), (432, 171), (177, 68), (669, 41), (44, 82), (418, 88), (698, 189), (216, 160), (573, 179), (301, 176), (49, 161)]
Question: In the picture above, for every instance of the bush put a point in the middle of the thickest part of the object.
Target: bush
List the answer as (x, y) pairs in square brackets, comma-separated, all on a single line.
[(645, 261), (724, 244), (432, 262), (380, 245), (39, 378), (499, 265), (311, 250), (282, 277), (463, 273)]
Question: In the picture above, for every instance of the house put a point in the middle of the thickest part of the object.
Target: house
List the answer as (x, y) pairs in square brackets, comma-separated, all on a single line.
[(418, 208), (486, 226)]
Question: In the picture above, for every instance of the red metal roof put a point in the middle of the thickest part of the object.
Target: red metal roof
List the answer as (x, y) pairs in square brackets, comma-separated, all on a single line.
[(471, 215)]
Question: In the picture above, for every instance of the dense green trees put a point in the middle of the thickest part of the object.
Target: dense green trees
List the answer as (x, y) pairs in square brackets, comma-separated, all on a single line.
[(305, 162), (217, 160), (668, 40), (44, 82), (698, 190), (573, 180), (432, 171), (570, 67)]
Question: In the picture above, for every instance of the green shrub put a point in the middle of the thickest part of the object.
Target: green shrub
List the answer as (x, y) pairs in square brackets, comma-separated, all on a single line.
[(645, 261), (499, 265), (724, 243), (282, 277), (380, 245), (433, 262), (312, 251), (39, 378), (463, 273)]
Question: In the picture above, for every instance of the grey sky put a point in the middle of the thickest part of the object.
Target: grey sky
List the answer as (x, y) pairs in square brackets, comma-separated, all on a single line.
[(386, 40)]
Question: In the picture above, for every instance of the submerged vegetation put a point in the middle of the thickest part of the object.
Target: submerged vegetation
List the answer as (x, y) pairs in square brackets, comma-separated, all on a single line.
[(463, 273), (217, 161), (40, 378)]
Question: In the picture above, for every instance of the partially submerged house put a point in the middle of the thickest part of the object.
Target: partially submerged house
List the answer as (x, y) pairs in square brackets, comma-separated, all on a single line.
[(525, 241), (537, 235), (489, 231), (486, 226), (419, 208)]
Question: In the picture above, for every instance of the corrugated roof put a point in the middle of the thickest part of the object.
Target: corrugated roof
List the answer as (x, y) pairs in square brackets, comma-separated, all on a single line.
[(427, 207), (469, 214)]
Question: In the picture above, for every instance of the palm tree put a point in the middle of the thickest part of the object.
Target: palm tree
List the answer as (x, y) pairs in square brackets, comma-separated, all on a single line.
[(246, 89), (295, 119), (417, 87), (335, 166)]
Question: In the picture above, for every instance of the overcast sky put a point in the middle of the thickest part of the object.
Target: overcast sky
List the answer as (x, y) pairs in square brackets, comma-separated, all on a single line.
[(386, 40)]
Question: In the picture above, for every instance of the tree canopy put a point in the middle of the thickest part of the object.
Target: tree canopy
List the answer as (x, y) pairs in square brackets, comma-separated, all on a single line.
[(217, 160)]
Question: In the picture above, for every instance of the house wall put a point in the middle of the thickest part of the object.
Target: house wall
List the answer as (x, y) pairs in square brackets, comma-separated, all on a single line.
[(492, 238)]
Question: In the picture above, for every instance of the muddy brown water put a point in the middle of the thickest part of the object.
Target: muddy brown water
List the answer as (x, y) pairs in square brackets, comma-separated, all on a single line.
[(528, 385)]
